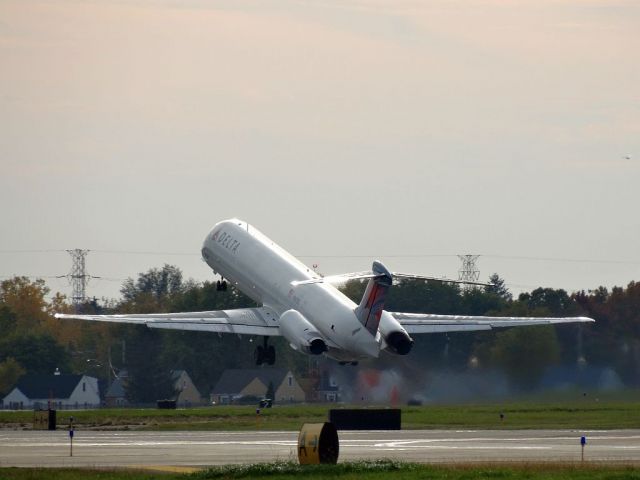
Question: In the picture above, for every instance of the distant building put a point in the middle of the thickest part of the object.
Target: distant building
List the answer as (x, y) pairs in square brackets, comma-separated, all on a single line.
[(116, 395), (54, 391), (327, 390), (238, 383), (187, 394)]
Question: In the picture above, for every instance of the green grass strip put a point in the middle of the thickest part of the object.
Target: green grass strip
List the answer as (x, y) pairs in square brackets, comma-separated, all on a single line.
[(364, 470), (580, 413)]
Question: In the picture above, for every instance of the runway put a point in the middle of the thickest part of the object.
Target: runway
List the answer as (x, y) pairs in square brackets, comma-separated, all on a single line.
[(117, 449)]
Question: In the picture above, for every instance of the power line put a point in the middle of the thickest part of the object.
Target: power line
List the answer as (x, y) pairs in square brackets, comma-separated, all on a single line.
[(61, 277), (560, 259), (409, 255), (391, 255), (31, 251), (56, 277), (141, 252)]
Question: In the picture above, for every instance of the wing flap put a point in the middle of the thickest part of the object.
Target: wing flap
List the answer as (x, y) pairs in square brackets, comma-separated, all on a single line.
[(431, 323), (217, 327), (241, 321)]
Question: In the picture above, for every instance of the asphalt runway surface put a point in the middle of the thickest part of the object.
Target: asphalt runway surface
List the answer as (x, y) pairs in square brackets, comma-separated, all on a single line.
[(151, 449)]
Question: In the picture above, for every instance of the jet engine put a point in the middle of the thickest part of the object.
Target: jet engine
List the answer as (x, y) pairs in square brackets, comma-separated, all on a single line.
[(399, 342), (300, 334)]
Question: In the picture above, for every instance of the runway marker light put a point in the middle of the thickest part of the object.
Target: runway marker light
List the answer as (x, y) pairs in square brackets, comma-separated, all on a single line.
[(71, 436), (583, 442)]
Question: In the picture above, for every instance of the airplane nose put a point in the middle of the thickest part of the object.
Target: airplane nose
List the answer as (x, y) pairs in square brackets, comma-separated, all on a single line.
[(206, 252)]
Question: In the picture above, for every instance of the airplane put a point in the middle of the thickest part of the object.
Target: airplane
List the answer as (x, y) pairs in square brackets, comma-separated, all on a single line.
[(306, 308)]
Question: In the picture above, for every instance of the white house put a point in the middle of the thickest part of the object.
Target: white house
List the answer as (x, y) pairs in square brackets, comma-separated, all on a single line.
[(54, 391)]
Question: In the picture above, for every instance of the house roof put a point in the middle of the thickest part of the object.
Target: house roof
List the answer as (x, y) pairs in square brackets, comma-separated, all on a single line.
[(48, 386), (233, 381), (116, 390)]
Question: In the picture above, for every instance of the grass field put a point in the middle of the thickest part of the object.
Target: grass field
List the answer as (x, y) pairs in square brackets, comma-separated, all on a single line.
[(578, 413), (381, 470)]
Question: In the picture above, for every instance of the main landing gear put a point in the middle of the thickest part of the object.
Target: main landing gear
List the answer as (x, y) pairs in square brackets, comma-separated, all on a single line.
[(221, 286), (265, 353)]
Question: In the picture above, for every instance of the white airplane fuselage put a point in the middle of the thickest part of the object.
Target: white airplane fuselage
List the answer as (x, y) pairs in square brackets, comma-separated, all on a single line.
[(264, 271)]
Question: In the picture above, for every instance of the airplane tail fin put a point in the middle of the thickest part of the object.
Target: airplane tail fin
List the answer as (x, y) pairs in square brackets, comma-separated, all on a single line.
[(370, 309)]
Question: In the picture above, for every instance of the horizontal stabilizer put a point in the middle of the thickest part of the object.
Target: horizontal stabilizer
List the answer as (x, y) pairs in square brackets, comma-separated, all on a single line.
[(431, 323), (340, 278), (345, 277)]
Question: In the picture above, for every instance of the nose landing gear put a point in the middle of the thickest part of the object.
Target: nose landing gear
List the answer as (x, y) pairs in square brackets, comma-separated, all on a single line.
[(221, 286), (265, 353)]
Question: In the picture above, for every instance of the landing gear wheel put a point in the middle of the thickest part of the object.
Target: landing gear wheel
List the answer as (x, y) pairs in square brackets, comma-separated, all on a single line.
[(270, 355), (258, 355), (265, 353)]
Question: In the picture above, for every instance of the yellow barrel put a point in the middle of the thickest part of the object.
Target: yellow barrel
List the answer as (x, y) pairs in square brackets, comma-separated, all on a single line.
[(318, 443)]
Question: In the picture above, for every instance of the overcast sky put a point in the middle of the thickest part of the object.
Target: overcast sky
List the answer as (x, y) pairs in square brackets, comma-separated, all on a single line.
[(408, 131)]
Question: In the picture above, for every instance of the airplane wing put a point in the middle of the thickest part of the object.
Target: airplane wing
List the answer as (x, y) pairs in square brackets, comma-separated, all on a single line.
[(241, 321), (430, 323)]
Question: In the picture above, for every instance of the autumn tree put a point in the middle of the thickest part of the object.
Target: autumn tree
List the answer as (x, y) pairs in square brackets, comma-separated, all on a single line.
[(23, 303), (36, 352), (10, 372)]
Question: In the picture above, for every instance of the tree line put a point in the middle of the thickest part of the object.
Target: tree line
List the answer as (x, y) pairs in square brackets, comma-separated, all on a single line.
[(34, 342)]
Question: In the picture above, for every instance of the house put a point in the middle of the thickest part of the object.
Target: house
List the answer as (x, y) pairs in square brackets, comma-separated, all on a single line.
[(116, 395), (186, 392), (237, 383), (54, 391), (327, 389)]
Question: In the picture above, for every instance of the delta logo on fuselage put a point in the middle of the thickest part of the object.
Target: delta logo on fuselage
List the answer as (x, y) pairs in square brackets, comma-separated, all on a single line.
[(225, 240)]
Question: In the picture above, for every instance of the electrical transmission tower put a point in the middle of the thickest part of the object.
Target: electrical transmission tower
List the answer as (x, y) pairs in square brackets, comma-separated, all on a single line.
[(469, 271), (78, 277)]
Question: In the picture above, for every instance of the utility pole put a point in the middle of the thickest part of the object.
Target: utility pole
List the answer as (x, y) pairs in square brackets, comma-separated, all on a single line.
[(78, 277), (469, 271)]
